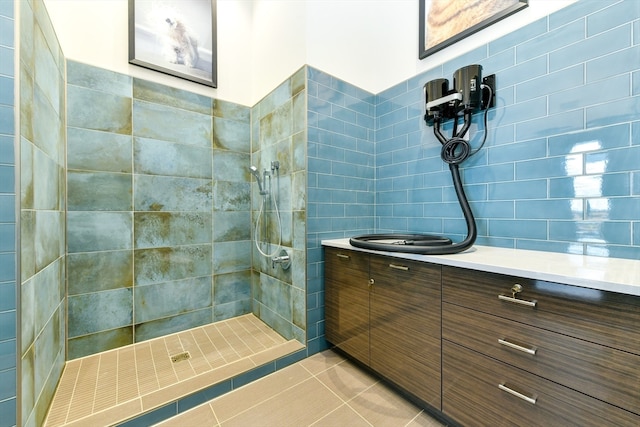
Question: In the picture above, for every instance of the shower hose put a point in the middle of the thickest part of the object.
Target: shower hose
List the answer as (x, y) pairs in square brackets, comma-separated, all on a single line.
[(454, 151), (256, 237)]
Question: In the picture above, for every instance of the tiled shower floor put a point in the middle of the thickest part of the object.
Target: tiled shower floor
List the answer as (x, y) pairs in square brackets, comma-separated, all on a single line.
[(322, 390), (113, 386)]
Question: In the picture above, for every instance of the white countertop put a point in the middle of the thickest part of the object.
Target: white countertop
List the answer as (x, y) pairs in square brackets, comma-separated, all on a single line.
[(607, 274)]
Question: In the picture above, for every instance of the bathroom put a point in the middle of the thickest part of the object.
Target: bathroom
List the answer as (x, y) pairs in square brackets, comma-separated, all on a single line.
[(559, 172)]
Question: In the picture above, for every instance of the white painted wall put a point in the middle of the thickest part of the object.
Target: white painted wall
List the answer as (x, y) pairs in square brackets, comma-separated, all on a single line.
[(279, 43), (96, 32), (370, 43)]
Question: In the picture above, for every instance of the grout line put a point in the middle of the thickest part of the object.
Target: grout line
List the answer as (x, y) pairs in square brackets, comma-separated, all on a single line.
[(212, 341), (269, 397), (95, 389), (344, 404), (414, 418), (215, 416), (253, 336), (139, 352), (226, 340), (73, 392)]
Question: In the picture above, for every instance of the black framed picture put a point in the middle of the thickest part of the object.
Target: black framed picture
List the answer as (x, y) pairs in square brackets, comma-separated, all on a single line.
[(445, 22), (176, 37)]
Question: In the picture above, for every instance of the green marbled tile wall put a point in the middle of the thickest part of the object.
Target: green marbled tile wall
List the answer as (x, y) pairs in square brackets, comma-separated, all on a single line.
[(42, 211), (278, 132)]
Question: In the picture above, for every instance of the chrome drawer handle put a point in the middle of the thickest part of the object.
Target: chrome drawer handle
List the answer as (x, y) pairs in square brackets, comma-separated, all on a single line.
[(531, 350), (342, 256), (399, 267), (511, 391), (518, 301)]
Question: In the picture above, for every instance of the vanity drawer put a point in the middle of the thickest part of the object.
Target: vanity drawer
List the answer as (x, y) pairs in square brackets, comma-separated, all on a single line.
[(481, 391), (605, 318), (338, 259), (601, 372)]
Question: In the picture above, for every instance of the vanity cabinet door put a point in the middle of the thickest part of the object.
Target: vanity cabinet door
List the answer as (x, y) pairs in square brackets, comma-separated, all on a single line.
[(405, 325), (347, 302)]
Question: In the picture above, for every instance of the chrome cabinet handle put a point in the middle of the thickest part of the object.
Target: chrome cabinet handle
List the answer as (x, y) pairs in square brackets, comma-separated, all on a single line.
[(517, 394), (518, 301), (342, 256), (528, 350), (399, 267)]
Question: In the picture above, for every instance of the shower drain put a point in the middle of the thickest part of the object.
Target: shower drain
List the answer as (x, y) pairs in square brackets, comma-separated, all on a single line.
[(180, 357)]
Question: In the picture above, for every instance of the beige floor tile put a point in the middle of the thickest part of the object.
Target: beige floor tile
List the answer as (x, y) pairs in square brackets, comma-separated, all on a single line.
[(124, 381), (200, 416), (298, 406), (294, 397), (346, 380), (257, 392), (425, 420), (381, 406), (222, 344), (111, 416), (322, 361), (239, 346), (343, 416), (267, 355)]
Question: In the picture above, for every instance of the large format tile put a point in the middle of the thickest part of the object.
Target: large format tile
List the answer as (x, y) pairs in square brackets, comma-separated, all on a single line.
[(231, 135), (170, 298), (99, 191), (99, 271), (90, 77), (99, 231), (230, 257), (172, 324), (164, 229), (157, 157), (165, 95), (114, 114), (380, 405), (98, 151), (231, 404), (305, 403), (168, 123), (165, 264), (165, 193), (99, 341), (100, 311)]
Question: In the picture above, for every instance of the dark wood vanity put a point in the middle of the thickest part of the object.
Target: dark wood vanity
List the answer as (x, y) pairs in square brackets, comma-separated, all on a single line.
[(486, 348)]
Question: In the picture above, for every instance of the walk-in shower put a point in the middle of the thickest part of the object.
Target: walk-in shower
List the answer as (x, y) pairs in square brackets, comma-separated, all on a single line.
[(266, 248)]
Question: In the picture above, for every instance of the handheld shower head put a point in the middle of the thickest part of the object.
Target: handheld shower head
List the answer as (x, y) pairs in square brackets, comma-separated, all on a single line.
[(254, 172)]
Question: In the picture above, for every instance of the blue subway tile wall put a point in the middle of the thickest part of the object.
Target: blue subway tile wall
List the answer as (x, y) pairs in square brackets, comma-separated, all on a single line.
[(8, 276), (341, 178), (559, 170)]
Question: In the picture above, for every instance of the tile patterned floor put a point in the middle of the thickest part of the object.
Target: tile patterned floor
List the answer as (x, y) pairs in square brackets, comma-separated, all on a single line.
[(322, 390), (115, 385)]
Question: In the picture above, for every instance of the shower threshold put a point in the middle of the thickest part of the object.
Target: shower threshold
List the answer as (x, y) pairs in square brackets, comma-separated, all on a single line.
[(114, 386)]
